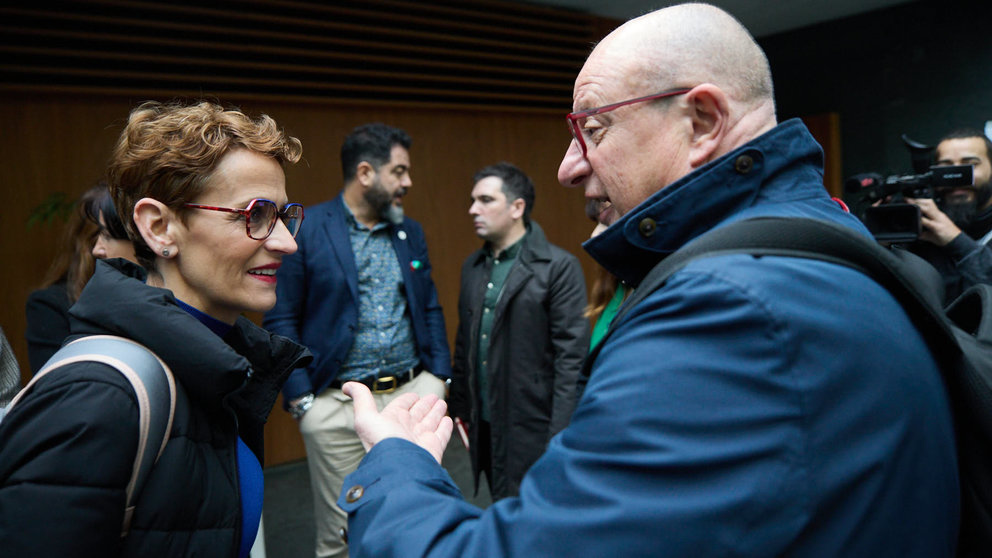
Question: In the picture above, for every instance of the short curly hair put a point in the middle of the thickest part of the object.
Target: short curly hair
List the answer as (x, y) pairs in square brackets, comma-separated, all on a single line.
[(169, 151)]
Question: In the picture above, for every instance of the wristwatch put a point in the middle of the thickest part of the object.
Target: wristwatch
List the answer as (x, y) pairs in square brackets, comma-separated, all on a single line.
[(302, 405)]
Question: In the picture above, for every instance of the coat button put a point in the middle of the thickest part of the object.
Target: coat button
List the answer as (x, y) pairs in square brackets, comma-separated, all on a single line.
[(354, 493), (647, 226), (343, 533), (744, 164)]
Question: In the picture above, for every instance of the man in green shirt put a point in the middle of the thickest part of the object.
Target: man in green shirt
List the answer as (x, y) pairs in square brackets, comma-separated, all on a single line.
[(521, 335)]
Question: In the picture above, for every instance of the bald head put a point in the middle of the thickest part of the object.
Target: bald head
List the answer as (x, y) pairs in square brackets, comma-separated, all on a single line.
[(690, 44), (631, 140)]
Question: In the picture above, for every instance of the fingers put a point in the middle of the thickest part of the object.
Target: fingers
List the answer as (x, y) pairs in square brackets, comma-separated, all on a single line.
[(444, 430), (361, 396), (422, 407), (436, 414), (926, 205), (442, 435), (403, 403), (436, 431), (428, 412), (421, 420)]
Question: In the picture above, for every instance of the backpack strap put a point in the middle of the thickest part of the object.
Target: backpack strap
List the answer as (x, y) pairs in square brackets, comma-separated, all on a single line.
[(960, 339), (898, 272), (155, 390)]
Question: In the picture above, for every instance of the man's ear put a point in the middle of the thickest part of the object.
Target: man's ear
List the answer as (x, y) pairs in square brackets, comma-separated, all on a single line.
[(156, 223), (710, 113), (365, 173), (517, 208)]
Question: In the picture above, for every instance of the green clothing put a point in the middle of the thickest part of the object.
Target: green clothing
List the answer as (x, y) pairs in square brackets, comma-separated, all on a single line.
[(499, 269), (606, 318)]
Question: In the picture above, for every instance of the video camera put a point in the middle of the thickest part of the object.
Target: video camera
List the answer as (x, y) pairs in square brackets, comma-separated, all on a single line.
[(887, 216), (873, 188)]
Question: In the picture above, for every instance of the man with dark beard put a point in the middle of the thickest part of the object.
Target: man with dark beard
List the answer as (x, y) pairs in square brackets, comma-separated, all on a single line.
[(359, 294), (957, 224)]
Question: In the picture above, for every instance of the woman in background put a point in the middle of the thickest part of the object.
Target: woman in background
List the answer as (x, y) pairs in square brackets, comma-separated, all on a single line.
[(202, 193), (606, 294), (94, 230), (111, 238)]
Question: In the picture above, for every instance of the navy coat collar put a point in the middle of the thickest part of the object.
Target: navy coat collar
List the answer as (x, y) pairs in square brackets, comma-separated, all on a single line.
[(779, 168)]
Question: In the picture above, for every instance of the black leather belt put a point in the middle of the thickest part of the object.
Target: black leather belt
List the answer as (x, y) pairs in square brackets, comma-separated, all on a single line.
[(383, 384)]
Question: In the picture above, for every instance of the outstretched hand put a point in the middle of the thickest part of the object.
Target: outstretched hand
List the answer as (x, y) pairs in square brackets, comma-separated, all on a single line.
[(420, 420)]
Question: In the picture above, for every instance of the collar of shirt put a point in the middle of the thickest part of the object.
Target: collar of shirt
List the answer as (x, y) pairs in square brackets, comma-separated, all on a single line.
[(510, 253), (218, 327)]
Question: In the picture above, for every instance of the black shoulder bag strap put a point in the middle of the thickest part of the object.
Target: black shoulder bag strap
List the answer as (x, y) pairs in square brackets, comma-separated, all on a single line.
[(960, 338), (819, 240)]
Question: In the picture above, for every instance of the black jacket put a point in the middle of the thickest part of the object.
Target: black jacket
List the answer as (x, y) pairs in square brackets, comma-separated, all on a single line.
[(47, 313), (67, 449), (539, 340)]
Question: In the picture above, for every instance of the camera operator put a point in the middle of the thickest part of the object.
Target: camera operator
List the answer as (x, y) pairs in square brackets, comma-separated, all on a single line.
[(956, 224)]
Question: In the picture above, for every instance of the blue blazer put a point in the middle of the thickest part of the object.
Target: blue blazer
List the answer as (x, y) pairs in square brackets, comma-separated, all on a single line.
[(317, 293)]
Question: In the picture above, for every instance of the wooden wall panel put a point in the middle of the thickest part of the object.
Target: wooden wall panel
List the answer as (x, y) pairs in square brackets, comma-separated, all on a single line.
[(49, 145), (482, 53), (825, 128)]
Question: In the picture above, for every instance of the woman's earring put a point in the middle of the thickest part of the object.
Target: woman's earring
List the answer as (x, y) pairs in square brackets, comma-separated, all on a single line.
[(165, 252)]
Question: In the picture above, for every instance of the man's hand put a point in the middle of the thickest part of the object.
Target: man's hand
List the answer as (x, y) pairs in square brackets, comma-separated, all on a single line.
[(420, 420), (937, 227)]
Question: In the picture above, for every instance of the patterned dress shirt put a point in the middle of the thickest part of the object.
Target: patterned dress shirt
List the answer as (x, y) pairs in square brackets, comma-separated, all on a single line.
[(384, 343)]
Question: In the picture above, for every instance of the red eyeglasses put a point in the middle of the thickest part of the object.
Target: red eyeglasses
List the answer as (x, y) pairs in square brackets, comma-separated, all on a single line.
[(260, 216), (577, 120)]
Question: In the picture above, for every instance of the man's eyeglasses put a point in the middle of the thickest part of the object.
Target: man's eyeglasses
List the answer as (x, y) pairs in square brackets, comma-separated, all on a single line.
[(577, 120), (260, 216)]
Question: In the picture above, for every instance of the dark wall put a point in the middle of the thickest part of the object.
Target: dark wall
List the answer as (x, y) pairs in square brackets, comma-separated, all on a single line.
[(921, 69)]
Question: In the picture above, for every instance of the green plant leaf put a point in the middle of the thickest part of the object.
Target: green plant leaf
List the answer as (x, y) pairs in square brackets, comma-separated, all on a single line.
[(56, 206)]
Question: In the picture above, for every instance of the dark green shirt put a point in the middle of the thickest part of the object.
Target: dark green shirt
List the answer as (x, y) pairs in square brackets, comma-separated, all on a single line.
[(499, 269), (606, 318)]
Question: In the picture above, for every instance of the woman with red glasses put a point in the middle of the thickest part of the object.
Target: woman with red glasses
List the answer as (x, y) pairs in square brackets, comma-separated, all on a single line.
[(201, 191)]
